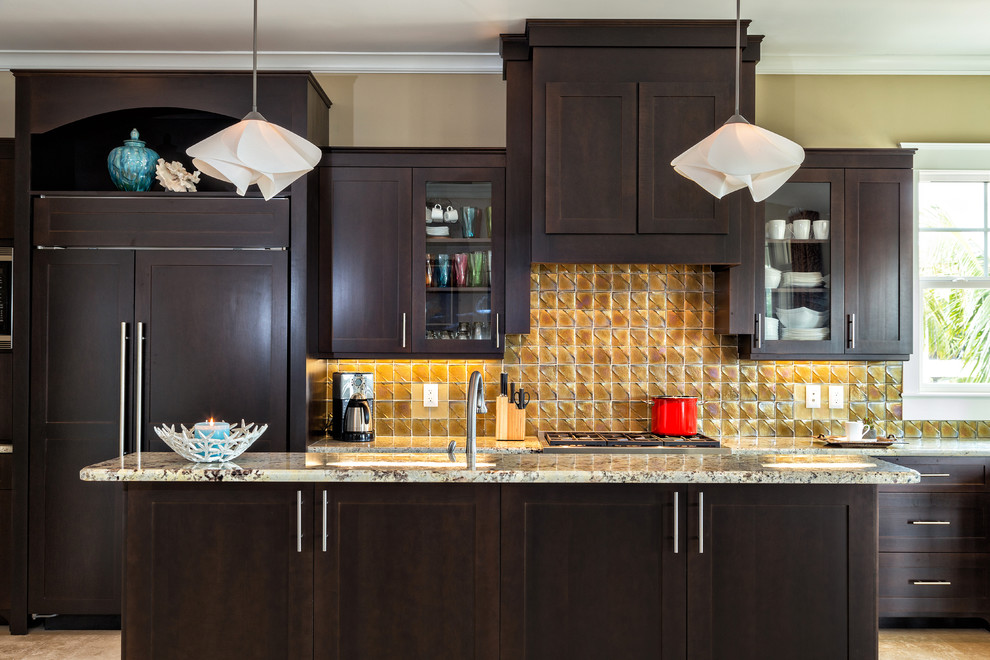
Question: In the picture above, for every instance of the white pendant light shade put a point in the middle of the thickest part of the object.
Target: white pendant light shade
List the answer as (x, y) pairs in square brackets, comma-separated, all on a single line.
[(740, 155), (255, 151)]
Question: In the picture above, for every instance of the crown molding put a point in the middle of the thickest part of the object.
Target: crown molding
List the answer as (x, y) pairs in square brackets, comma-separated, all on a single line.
[(875, 65), (316, 62), (329, 62)]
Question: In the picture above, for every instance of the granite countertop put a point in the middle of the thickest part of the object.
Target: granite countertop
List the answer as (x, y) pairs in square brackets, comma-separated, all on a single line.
[(6, 448), (424, 444), (751, 467), (901, 447)]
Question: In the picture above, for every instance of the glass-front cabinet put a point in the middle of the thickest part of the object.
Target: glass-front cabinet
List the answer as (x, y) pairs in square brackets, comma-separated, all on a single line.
[(799, 305), (458, 260)]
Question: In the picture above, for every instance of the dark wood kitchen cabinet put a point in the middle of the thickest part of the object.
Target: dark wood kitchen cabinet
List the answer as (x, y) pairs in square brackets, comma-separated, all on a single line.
[(407, 570), (607, 106), (232, 574), (6, 189), (380, 290), (214, 345), (840, 288), (935, 539), (776, 571), (6, 533)]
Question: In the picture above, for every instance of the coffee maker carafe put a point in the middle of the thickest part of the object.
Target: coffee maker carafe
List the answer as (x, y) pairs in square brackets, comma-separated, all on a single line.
[(353, 407)]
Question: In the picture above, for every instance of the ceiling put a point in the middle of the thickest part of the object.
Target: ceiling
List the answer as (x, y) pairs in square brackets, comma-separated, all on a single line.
[(828, 36)]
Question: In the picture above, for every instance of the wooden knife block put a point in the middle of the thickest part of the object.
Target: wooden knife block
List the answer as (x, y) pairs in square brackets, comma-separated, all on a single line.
[(510, 421)]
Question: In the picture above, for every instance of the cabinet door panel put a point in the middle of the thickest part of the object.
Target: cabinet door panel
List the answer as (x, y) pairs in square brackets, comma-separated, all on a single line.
[(672, 118), (878, 258), (590, 572), (370, 252), (785, 572), (410, 571), (934, 522), (225, 579), (215, 340), (80, 300), (591, 158)]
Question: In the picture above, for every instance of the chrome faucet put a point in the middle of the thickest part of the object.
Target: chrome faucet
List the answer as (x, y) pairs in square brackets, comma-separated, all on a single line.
[(475, 405)]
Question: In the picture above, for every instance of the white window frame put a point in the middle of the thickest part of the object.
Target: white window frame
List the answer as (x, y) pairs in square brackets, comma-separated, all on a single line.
[(956, 401)]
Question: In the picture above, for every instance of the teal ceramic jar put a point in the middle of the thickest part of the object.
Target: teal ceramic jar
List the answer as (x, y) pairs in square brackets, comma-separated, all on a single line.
[(132, 166)]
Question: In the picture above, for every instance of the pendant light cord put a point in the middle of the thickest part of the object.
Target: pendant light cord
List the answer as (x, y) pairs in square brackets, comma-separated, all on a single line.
[(254, 63), (738, 50)]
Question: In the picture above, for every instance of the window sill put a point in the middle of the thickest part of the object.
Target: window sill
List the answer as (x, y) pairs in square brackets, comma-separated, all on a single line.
[(946, 406)]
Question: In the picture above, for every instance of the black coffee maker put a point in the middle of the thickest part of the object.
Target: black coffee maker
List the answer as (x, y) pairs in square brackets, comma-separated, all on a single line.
[(353, 407)]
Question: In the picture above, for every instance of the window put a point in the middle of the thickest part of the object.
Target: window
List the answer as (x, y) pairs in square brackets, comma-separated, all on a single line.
[(948, 376)]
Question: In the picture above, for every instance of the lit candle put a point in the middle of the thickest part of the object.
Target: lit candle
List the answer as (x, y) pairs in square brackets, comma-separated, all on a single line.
[(211, 430)]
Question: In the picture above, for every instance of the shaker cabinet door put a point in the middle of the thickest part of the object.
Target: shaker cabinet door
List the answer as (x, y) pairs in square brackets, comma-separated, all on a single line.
[(215, 325), (80, 299), (878, 257), (370, 254)]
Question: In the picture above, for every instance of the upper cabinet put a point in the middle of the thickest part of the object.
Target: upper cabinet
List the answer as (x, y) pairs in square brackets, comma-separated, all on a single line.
[(833, 261), (597, 110), (6, 189), (412, 253)]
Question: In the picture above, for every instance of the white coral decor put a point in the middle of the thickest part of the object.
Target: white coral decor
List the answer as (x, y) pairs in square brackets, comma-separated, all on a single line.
[(173, 176), (210, 450)]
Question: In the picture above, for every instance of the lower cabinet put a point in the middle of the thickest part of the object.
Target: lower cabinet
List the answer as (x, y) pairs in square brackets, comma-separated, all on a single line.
[(935, 540), (218, 571), (6, 533), (491, 571)]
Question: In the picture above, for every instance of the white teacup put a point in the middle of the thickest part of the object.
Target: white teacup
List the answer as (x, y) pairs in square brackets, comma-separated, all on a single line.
[(802, 228), (776, 229), (856, 430), (820, 229), (436, 213), (450, 215)]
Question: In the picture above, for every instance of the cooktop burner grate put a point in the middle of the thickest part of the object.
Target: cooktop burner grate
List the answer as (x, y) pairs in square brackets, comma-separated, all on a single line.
[(625, 439)]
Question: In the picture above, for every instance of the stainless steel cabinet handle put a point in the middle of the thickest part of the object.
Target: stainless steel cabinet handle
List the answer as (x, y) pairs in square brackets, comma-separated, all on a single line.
[(935, 474), (675, 522), (758, 337), (932, 582), (298, 521), (123, 384), (929, 522), (701, 523), (498, 338), (138, 386), (852, 331), (403, 329), (324, 521)]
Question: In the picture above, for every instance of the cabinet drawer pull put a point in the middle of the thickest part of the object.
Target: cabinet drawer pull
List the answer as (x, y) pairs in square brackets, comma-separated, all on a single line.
[(498, 337), (403, 329), (138, 387), (758, 335), (299, 531), (123, 384), (935, 474), (324, 521), (929, 522), (852, 331), (701, 523), (938, 583), (675, 522)]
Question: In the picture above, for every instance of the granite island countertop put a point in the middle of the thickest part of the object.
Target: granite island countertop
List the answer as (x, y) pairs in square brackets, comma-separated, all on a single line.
[(425, 444), (754, 468), (6, 448), (901, 446)]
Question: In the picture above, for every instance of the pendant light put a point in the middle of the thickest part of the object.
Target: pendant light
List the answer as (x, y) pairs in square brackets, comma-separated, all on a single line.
[(254, 150), (740, 154)]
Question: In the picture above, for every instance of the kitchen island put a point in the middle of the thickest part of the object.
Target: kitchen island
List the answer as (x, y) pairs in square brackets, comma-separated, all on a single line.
[(528, 556)]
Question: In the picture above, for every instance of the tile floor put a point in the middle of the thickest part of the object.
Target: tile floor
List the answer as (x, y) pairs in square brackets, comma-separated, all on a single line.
[(105, 644)]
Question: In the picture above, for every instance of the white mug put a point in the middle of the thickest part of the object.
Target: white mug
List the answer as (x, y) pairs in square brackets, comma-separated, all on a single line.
[(820, 228), (436, 213), (856, 430), (450, 215), (776, 229), (802, 228)]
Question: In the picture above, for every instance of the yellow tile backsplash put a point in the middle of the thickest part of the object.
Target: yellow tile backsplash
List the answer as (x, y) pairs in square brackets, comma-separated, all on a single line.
[(606, 338)]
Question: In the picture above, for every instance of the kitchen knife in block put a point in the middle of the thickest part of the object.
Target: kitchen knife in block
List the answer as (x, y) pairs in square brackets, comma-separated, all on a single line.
[(502, 417), (517, 423)]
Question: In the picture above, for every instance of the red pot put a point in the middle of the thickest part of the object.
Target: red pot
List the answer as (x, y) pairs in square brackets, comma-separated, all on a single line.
[(675, 415)]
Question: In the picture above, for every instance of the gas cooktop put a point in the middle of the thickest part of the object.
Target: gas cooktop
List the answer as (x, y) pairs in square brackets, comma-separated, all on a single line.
[(567, 442)]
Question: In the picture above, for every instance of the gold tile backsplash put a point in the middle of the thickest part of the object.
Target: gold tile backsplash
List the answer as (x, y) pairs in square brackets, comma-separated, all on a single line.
[(606, 338)]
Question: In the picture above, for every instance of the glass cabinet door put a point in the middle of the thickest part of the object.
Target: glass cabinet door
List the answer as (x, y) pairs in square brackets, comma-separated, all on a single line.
[(799, 308), (460, 263)]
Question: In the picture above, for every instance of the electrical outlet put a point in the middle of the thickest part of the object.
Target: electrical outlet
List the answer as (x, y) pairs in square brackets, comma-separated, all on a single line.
[(431, 395), (813, 396), (835, 396)]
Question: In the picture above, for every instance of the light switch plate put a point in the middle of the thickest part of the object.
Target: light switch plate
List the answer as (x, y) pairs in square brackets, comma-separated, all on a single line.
[(813, 396), (835, 396), (431, 395)]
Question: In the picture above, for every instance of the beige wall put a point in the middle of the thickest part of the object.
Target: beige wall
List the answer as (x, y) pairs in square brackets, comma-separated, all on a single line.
[(416, 110), (874, 111), (6, 104)]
